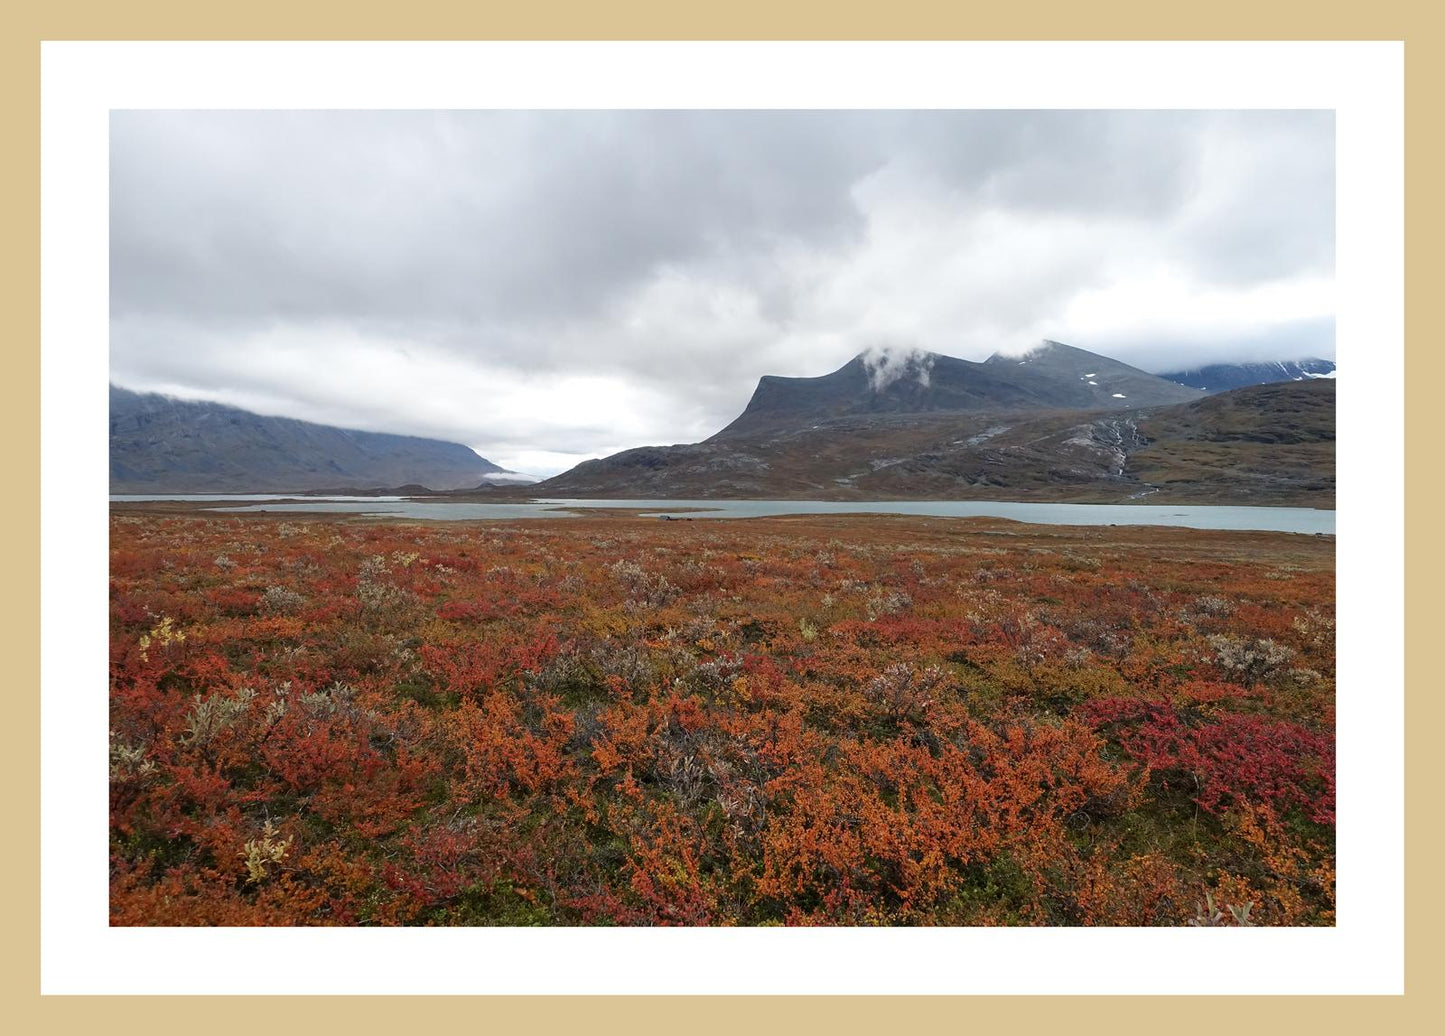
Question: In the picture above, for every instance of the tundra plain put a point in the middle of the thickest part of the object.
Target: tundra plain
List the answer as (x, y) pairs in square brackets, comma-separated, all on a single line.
[(811, 720)]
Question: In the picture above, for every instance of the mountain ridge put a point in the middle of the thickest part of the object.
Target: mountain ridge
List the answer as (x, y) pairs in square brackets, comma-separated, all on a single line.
[(1220, 377), (159, 443), (1053, 376), (926, 426)]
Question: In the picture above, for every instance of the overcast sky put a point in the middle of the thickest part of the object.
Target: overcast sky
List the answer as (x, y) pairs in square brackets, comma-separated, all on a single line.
[(551, 286)]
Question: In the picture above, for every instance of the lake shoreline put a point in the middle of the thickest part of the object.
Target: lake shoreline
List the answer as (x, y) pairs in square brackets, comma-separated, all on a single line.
[(1262, 519)]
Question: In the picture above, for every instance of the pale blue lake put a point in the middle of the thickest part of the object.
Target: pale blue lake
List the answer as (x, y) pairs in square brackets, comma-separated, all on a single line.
[(1264, 519)]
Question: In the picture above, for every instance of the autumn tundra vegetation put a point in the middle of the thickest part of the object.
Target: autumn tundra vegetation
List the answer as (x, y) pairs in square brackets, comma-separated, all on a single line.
[(609, 720)]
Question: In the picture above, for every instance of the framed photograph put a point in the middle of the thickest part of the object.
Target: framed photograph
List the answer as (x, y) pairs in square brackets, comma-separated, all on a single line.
[(582, 521)]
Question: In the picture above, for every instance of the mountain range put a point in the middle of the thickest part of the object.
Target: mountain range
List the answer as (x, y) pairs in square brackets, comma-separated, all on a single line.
[(1056, 423), (163, 445), (1220, 377)]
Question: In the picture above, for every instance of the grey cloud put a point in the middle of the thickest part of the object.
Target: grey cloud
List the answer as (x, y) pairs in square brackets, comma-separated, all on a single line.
[(1267, 207), (451, 215), (1137, 165)]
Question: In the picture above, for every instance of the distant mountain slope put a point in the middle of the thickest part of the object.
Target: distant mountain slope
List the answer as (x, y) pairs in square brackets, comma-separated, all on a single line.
[(1068, 377), (1053, 376), (1267, 445), (1256, 444), (1221, 377), (159, 444)]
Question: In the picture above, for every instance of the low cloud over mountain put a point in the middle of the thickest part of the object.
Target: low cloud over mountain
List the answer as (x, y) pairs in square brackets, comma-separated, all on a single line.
[(548, 286)]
